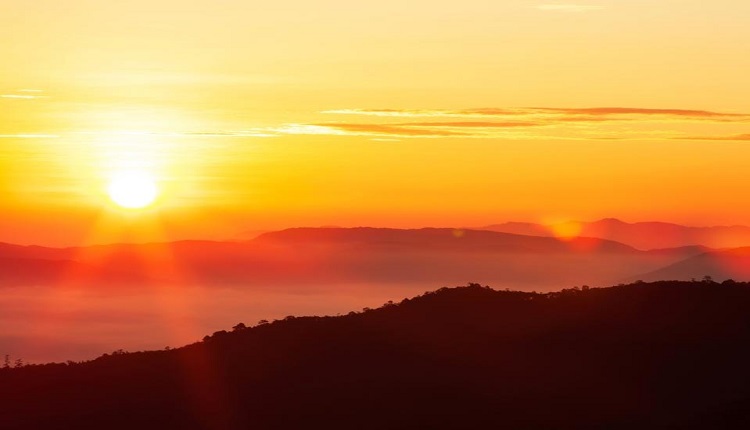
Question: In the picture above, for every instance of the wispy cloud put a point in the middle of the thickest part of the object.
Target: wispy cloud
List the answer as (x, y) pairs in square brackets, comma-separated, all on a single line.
[(568, 7), (239, 133), (422, 113), (409, 129), (359, 129), (527, 123), (596, 123), (612, 111), (257, 132), (738, 137), (394, 130), (552, 114), (24, 94), (28, 136), (472, 124), (18, 96)]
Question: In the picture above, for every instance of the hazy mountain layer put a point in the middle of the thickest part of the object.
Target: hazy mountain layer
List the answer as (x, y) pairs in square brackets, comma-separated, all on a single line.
[(342, 256), (641, 235)]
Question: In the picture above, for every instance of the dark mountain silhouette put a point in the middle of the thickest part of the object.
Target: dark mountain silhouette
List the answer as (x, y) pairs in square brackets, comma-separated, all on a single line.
[(641, 235), (346, 256), (667, 355)]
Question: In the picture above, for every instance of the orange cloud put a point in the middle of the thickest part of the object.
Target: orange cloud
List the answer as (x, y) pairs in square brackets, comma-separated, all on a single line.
[(745, 136), (427, 112), (551, 114), (597, 123), (607, 111), (390, 130), (472, 124), (413, 129), (531, 123)]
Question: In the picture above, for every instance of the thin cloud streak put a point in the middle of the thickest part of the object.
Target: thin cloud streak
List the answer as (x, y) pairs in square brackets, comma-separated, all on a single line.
[(240, 133), (390, 130), (530, 123), (415, 130), (412, 129), (28, 136), (423, 113), (237, 133), (472, 124), (568, 7), (736, 137), (560, 114), (24, 94), (19, 96), (596, 123), (643, 111)]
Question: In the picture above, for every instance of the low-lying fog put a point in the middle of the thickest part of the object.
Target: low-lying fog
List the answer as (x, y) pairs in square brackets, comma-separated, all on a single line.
[(54, 324)]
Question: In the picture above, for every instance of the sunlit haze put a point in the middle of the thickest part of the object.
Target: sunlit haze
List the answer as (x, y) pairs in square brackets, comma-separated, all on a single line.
[(403, 114), (391, 214)]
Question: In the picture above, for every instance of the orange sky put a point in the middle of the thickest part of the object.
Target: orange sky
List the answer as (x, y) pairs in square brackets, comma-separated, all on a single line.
[(255, 115)]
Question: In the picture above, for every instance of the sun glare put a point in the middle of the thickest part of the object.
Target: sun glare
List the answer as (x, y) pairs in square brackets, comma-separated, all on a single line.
[(133, 190)]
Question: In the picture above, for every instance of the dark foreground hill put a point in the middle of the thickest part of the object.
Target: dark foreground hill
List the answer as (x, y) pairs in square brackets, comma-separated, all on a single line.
[(658, 356)]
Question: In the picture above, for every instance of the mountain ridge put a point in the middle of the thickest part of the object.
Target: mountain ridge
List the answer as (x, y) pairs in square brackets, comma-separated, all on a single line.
[(432, 236)]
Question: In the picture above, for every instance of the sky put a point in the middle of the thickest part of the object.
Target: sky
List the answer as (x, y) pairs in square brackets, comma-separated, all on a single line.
[(253, 116)]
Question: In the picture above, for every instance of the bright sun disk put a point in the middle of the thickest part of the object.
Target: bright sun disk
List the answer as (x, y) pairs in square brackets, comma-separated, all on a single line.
[(133, 190)]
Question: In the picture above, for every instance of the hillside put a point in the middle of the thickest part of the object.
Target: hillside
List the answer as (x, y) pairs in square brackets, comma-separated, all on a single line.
[(648, 356)]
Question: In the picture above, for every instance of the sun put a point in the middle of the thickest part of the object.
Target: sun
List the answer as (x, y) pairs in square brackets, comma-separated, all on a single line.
[(133, 190)]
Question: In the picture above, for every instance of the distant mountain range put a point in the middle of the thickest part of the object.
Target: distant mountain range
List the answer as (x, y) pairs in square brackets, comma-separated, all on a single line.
[(668, 355), (344, 256), (728, 264), (641, 235)]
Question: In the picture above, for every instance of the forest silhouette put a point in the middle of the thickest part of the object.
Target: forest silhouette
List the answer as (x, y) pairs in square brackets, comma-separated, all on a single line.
[(646, 355)]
